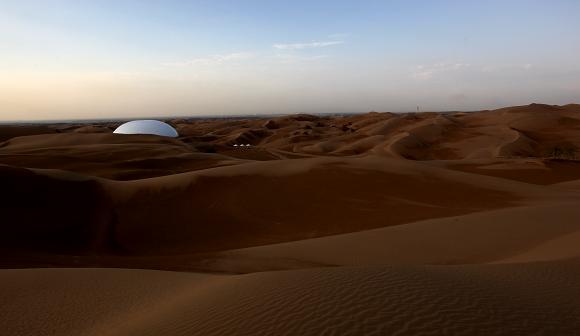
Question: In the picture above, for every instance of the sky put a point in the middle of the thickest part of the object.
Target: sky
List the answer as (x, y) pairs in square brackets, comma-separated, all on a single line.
[(89, 59)]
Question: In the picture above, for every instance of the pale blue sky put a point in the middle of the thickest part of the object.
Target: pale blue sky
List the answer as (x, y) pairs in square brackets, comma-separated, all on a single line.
[(90, 59)]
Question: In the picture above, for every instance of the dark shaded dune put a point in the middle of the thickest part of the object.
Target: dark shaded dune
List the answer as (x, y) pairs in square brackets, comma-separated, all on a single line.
[(230, 209), (405, 145), (523, 234), (424, 140), (271, 124), (571, 109), (233, 207), (93, 129), (116, 167), (249, 153), (523, 131), (549, 132), (559, 143), (520, 146), (426, 136), (197, 139), (71, 215), (35, 142), (12, 131), (542, 129), (550, 171), (114, 156), (154, 167)]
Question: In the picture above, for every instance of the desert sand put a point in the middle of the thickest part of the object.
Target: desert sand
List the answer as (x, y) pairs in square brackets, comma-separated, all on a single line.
[(455, 223)]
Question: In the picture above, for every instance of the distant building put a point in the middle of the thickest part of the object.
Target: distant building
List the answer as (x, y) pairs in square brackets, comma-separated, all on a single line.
[(154, 127)]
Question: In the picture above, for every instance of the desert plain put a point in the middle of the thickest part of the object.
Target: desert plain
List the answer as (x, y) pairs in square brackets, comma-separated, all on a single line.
[(432, 223)]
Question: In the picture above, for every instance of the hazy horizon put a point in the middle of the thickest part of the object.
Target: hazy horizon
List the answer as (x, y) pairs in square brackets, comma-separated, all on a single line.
[(120, 59)]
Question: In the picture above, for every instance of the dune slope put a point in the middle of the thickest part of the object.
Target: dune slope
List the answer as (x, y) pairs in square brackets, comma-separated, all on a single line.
[(514, 299)]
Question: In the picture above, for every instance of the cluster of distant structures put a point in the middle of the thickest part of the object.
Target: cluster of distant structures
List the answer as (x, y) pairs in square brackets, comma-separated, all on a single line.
[(154, 127)]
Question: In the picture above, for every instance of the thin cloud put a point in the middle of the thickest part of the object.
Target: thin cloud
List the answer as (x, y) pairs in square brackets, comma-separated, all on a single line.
[(527, 66), (425, 72), (212, 60), (291, 58), (339, 36), (310, 45), (507, 67)]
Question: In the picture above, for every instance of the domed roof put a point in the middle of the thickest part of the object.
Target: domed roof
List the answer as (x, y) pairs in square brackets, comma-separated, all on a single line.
[(154, 127)]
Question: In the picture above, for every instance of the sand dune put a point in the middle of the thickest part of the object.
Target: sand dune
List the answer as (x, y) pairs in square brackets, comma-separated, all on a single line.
[(116, 156), (534, 130), (256, 203), (484, 237), (381, 223), (514, 299), (11, 131)]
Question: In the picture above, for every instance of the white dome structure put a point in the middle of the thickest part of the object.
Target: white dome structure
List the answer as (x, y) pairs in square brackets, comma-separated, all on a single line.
[(154, 127)]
